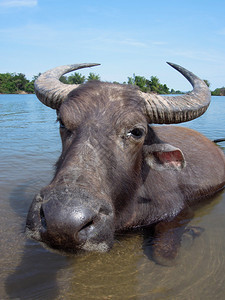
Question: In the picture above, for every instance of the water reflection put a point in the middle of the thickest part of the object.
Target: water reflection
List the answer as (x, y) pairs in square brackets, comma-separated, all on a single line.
[(126, 272), (35, 276)]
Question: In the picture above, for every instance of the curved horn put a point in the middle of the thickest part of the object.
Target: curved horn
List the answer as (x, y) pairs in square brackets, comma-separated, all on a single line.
[(177, 109), (50, 90)]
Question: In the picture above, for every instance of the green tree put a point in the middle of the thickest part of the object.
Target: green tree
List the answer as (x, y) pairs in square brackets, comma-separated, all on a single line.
[(93, 76), (163, 89), (140, 81), (7, 84), (207, 82), (175, 92), (36, 77), (29, 87), (63, 79), (219, 92), (76, 78), (154, 84), (146, 85), (131, 80), (20, 81)]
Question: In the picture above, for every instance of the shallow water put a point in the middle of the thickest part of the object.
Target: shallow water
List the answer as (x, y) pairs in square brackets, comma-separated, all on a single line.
[(30, 146)]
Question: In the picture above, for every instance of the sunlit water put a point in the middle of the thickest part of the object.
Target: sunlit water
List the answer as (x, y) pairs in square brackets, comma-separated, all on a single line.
[(30, 145)]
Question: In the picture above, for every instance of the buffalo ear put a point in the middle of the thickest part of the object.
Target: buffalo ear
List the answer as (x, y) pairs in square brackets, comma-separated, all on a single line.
[(164, 157)]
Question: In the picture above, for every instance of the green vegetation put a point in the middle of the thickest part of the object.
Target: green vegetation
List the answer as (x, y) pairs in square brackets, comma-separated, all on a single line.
[(93, 76), (13, 83), (219, 92), (206, 82), (78, 78), (153, 85)]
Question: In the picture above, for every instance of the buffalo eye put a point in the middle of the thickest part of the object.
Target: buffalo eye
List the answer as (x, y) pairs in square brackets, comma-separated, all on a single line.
[(61, 124), (136, 133), (63, 128)]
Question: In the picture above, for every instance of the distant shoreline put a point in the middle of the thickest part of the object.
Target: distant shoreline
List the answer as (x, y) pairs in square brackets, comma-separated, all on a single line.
[(18, 93), (25, 93), (13, 83)]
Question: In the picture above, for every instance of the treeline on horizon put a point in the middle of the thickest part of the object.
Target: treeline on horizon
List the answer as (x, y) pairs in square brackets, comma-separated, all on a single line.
[(17, 83)]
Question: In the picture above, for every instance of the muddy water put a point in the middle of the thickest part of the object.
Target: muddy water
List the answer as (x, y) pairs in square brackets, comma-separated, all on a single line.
[(29, 148)]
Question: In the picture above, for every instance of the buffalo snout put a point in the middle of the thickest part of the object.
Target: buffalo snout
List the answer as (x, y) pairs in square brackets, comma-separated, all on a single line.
[(70, 221)]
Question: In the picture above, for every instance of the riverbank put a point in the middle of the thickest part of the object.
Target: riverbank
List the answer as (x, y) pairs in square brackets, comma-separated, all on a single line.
[(18, 93)]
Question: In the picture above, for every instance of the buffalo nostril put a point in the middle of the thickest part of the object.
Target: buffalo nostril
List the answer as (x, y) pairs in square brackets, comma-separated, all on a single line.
[(87, 225), (90, 221), (68, 227), (43, 219)]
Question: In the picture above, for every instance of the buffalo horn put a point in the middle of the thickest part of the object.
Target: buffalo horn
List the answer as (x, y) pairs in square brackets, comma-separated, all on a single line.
[(182, 108), (50, 91), (159, 109)]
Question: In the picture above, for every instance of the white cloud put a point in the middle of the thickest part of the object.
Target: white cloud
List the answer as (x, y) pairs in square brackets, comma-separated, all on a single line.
[(18, 3)]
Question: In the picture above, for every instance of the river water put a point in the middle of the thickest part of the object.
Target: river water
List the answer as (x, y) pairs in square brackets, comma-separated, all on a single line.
[(30, 145)]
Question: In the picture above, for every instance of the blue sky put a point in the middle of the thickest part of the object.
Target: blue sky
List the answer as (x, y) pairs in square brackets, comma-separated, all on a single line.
[(126, 37)]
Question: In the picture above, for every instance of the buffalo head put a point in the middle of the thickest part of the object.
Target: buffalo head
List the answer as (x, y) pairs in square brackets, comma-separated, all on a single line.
[(108, 149)]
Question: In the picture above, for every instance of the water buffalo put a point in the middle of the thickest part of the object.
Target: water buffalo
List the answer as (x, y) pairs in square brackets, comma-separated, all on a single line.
[(116, 172)]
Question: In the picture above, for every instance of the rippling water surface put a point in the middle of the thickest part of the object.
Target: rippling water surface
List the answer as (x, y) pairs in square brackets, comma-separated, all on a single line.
[(30, 145)]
